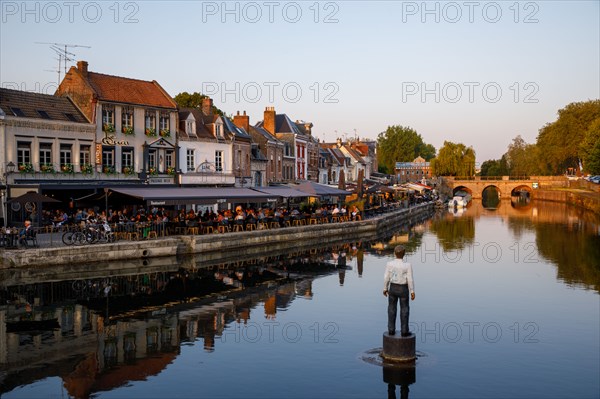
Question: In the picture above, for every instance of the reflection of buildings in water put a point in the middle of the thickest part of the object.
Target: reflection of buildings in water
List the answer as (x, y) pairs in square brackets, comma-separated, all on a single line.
[(304, 288)]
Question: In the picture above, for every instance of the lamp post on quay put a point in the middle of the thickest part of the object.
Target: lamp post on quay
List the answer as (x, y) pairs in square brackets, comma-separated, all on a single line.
[(10, 168)]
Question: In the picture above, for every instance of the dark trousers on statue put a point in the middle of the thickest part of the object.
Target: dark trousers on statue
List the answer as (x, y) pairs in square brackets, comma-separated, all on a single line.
[(395, 293)]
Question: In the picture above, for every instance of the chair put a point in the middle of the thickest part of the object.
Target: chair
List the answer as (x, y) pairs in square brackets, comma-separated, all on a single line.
[(31, 239), (238, 225), (152, 234)]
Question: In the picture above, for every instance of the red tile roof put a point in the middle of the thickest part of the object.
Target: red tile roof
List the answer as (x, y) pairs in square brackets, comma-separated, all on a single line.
[(130, 91)]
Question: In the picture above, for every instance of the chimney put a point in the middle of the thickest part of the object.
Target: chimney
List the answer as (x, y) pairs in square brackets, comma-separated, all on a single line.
[(269, 121), (83, 67), (207, 104), (242, 121)]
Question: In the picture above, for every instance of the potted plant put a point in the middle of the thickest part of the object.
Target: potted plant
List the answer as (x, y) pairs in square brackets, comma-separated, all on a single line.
[(153, 171), (25, 168), (108, 169), (170, 171), (108, 127), (66, 168), (150, 132), (47, 168), (128, 170), (87, 169), (165, 133), (127, 130)]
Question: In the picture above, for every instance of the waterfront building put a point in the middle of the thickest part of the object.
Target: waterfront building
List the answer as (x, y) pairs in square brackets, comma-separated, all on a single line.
[(216, 152), (414, 171), (268, 147), (135, 123), (46, 145), (299, 146), (358, 157)]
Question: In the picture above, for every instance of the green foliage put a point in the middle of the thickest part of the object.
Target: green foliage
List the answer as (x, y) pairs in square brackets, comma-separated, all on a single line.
[(495, 167), (590, 149), (454, 160), (400, 144), (560, 142), (193, 100)]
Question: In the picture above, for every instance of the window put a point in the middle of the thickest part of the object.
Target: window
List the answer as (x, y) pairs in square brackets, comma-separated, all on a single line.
[(218, 130), (23, 153), (85, 156), (108, 158), (190, 128), (17, 111), (45, 153), (65, 155), (152, 159), (163, 122), (108, 118), (43, 114), (70, 117), (190, 160), (150, 120), (127, 118), (169, 159), (219, 161), (127, 157), (272, 165)]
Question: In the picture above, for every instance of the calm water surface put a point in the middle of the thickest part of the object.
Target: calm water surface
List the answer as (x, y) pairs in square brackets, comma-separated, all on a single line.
[(507, 305)]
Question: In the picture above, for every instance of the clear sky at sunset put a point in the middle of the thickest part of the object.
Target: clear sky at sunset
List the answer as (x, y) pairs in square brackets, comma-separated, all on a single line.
[(474, 72)]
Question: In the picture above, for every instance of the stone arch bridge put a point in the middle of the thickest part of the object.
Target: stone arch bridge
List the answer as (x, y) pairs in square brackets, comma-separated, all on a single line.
[(505, 185)]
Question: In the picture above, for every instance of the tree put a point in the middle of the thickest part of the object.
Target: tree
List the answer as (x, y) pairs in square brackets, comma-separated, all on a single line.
[(194, 100), (454, 160), (560, 142), (495, 167), (400, 144), (590, 149)]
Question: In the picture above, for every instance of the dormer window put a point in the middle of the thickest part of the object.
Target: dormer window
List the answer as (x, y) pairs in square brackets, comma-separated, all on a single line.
[(218, 130), (43, 114), (190, 127), (17, 111)]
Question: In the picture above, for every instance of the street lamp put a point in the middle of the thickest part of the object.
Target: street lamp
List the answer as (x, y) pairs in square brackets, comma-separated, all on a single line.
[(10, 168)]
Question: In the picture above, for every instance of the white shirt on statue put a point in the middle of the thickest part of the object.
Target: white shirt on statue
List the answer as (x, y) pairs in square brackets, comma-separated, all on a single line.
[(398, 272)]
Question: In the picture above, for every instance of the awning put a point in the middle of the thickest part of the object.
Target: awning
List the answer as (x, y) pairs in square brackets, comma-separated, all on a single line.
[(283, 192), (196, 195), (320, 190)]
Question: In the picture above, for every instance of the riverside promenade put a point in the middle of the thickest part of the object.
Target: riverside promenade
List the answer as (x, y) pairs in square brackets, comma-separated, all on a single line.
[(216, 246)]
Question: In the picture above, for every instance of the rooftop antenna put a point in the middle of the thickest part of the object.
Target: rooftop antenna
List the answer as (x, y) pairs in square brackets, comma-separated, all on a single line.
[(61, 49)]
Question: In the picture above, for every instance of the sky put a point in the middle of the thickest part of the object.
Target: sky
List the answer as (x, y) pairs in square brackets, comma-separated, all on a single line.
[(473, 72)]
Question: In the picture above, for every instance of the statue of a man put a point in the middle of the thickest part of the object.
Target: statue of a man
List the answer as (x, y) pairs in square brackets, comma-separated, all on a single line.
[(397, 283)]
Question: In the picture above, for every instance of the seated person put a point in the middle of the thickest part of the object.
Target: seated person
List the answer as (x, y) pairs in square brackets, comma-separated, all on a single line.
[(26, 231)]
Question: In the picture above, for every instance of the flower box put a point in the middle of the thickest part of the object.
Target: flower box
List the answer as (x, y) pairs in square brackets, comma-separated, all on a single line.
[(87, 169), (150, 132), (165, 133), (47, 168), (66, 168), (109, 170), (108, 127), (153, 171), (25, 168), (128, 170), (127, 130), (171, 171)]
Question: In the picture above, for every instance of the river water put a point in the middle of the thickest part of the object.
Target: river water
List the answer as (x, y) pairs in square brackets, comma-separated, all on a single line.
[(507, 305)]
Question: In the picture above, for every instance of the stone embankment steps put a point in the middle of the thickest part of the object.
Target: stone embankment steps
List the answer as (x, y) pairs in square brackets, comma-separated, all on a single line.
[(241, 244)]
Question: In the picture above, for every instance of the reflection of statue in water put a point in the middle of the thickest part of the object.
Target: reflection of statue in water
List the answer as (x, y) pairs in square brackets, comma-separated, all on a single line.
[(397, 283), (399, 375), (342, 267)]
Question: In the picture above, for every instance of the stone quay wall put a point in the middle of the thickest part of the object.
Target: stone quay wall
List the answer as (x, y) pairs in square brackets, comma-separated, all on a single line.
[(212, 246)]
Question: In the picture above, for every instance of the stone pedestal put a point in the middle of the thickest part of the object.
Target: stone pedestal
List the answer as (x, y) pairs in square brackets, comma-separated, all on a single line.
[(397, 348)]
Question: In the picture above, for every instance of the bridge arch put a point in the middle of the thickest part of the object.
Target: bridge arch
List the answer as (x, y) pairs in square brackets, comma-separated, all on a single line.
[(462, 188), (522, 187), (492, 186)]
